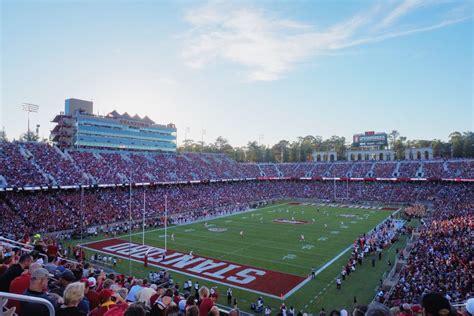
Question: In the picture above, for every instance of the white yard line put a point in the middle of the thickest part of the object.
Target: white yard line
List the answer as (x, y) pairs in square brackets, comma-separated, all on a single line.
[(190, 223), (291, 292), (344, 251)]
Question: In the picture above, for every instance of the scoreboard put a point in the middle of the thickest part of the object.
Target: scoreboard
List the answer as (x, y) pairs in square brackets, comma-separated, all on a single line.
[(369, 139)]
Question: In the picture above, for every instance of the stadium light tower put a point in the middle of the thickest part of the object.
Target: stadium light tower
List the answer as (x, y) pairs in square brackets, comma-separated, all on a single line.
[(29, 108)]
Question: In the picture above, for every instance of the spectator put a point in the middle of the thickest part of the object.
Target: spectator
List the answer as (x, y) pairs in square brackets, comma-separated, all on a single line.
[(106, 303), (73, 295), (135, 310), (38, 288), (14, 271), (206, 303), (20, 284), (66, 278), (134, 290), (435, 304)]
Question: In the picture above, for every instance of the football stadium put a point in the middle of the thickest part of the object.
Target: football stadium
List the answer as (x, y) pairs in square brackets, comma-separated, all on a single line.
[(107, 210)]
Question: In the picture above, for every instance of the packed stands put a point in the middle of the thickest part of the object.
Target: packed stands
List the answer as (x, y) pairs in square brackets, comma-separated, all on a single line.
[(37, 164), (440, 260), (385, 169), (408, 169), (361, 169)]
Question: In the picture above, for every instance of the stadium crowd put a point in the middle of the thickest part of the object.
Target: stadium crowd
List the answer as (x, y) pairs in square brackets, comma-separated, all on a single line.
[(440, 262), (57, 210), (38, 164)]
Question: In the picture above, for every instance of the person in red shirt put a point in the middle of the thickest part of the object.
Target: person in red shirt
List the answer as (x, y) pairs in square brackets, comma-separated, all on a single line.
[(21, 283), (206, 303), (52, 250), (91, 294), (106, 303)]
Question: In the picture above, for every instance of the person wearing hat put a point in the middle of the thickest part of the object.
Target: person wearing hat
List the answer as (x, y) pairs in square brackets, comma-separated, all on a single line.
[(91, 294), (20, 284), (435, 304), (106, 303), (38, 288), (66, 278)]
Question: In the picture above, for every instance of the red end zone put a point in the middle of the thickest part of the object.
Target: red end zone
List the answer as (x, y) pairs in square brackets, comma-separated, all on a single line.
[(270, 283)]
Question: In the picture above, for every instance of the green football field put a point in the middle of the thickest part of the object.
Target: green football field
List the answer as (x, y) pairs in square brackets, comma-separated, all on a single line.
[(328, 231)]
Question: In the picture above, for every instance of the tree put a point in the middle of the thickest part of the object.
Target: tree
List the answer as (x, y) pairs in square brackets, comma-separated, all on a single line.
[(441, 149), (238, 154), (3, 136), (456, 140), (29, 137), (255, 152), (222, 145), (399, 147), (468, 145), (280, 151), (392, 137)]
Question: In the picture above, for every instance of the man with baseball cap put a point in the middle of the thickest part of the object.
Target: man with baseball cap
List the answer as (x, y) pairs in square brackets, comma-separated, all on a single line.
[(38, 288), (20, 284), (91, 294), (66, 278), (106, 303)]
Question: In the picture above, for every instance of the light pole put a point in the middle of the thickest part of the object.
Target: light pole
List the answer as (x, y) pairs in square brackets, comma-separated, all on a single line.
[(29, 108)]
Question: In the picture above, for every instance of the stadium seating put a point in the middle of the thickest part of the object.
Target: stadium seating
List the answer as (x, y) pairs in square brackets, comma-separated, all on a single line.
[(440, 259), (40, 164)]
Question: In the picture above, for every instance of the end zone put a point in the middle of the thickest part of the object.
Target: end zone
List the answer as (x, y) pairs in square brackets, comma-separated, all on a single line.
[(261, 281)]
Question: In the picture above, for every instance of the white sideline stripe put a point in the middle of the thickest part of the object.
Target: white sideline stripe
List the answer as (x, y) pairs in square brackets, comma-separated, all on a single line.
[(345, 250), (190, 223), (288, 294)]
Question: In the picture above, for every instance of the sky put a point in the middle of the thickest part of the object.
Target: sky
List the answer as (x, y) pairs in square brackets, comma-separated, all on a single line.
[(263, 70)]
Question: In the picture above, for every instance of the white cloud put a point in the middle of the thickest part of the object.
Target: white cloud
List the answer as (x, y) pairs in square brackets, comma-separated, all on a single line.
[(404, 8), (269, 46)]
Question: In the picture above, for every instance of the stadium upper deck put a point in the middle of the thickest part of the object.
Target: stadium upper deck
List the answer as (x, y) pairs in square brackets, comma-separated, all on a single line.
[(38, 164)]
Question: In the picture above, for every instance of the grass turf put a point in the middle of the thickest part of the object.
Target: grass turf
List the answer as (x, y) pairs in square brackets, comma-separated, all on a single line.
[(277, 247)]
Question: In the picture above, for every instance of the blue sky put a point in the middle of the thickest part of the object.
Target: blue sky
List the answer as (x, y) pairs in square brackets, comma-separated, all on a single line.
[(280, 69)]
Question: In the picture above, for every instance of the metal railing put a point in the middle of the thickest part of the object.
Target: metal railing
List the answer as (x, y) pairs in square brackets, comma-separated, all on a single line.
[(26, 298)]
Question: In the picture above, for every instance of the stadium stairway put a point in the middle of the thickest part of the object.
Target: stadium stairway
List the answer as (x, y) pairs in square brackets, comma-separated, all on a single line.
[(279, 173), (3, 181), (371, 170), (419, 172), (31, 158), (445, 166), (396, 172), (262, 174)]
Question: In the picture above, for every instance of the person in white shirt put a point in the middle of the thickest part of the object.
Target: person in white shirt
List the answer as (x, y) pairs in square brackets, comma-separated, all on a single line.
[(268, 311)]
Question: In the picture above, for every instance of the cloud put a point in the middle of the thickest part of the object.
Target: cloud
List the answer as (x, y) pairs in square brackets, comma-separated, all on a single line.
[(404, 8), (269, 46)]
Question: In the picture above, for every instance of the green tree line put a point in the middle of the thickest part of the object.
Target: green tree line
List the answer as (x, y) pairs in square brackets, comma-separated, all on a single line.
[(459, 145)]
